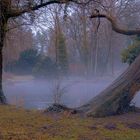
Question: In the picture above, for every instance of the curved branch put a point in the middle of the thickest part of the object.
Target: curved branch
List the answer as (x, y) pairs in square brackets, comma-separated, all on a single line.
[(115, 27), (16, 13)]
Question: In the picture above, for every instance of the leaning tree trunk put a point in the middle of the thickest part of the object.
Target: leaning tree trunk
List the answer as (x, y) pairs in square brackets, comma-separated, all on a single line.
[(3, 23), (116, 98)]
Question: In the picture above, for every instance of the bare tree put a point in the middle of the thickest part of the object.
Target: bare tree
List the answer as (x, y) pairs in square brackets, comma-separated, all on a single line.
[(58, 90), (13, 9)]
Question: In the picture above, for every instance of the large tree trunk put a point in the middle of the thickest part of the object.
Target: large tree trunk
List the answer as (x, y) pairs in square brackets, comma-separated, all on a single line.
[(3, 23), (116, 98), (2, 97)]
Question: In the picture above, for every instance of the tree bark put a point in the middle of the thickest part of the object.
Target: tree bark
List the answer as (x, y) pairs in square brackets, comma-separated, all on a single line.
[(2, 96), (3, 24), (116, 98)]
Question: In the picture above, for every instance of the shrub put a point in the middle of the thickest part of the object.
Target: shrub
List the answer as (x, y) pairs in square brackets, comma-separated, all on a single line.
[(129, 54), (30, 62), (45, 67)]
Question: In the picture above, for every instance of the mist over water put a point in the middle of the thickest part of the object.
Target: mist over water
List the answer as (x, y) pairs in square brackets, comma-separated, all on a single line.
[(38, 94)]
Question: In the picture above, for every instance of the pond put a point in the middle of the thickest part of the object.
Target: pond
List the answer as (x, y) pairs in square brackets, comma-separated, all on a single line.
[(39, 94)]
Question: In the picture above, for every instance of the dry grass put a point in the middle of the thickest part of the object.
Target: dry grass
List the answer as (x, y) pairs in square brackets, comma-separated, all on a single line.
[(20, 124)]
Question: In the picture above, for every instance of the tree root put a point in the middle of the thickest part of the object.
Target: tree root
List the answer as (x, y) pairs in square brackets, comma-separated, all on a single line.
[(58, 108)]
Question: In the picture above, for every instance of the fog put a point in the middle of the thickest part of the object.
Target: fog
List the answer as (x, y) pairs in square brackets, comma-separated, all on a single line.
[(88, 55), (32, 93)]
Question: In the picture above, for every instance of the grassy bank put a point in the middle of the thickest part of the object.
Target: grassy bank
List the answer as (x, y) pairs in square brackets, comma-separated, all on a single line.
[(20, 124)]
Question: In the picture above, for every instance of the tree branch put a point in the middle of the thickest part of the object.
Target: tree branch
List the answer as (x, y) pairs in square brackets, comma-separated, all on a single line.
[(16, 13), (115, 27)]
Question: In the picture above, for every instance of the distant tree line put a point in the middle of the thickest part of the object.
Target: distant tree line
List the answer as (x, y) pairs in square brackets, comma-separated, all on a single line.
[(31, 62)]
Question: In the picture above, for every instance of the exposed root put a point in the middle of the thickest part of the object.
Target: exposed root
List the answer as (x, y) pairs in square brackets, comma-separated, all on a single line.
[(58, 108)]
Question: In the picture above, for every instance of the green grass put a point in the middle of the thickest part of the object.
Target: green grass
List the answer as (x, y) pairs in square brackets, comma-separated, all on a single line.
[(20, 124)]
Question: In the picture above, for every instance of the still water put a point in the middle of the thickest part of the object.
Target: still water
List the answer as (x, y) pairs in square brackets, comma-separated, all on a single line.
[(39, 94)]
